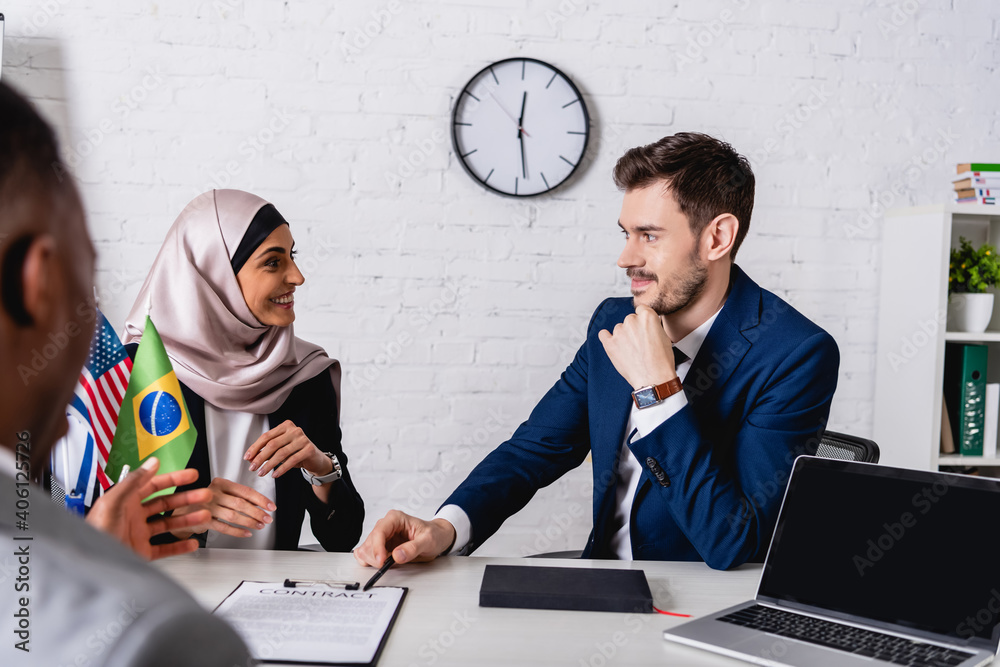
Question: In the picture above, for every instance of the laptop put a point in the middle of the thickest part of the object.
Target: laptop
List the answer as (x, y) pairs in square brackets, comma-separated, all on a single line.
[(870, 565)]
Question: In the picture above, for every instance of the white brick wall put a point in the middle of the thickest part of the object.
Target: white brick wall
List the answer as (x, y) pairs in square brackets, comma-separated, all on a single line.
[(452, 309)]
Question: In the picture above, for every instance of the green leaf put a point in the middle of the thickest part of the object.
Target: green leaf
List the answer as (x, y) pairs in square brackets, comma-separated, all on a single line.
[(982, 267)]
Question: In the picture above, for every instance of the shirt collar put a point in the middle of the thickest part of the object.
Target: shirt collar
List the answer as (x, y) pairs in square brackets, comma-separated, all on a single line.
[(691, 344)]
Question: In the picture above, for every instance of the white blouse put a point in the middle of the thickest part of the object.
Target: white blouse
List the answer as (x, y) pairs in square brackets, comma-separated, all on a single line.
[(229, 435)]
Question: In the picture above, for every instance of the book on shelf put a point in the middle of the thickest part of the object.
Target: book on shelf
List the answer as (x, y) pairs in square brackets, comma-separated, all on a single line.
[(977, 200), (967, 181), (992, 417), (977, 192), (947, 440), (965, 392), (976, 166)]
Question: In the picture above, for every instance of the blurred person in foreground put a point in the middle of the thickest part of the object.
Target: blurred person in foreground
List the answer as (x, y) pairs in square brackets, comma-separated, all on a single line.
[(72, 594), (693, 397)]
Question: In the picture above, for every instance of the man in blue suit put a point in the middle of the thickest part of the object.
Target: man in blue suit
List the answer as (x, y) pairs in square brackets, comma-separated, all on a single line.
[(693, 397)]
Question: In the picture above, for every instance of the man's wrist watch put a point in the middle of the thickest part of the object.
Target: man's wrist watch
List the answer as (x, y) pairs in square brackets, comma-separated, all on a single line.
[(320, 480), (644, 397)]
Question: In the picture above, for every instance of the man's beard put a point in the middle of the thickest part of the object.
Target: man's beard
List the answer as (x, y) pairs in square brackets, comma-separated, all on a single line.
[(686, 288)]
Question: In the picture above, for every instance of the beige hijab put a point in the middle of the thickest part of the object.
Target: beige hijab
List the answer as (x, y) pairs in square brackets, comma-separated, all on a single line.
[(216, 345)]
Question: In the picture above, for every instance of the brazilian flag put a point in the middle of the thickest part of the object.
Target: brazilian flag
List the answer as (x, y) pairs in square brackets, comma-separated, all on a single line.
[(154, 420)]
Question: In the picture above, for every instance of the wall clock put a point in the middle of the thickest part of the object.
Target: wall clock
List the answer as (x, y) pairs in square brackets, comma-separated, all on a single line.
[(520, 127)]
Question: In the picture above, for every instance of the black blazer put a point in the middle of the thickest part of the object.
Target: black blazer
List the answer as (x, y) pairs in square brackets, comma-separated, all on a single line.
[(312, 406)]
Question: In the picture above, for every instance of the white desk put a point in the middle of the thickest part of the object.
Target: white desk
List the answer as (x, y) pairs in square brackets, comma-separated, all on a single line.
[(441, 622)]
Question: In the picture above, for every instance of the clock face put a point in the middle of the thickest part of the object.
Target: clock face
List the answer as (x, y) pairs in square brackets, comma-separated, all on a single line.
[(520, 127)]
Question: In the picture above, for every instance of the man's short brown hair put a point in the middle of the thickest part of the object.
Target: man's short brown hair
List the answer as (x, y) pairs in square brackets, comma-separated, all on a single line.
[(706, 177)]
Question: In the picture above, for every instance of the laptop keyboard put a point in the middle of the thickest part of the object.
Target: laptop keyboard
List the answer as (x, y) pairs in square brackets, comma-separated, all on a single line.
[(891, 649)]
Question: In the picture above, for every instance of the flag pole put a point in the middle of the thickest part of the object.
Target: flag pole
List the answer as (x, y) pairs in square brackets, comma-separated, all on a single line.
[(149, 302), (97, 299), (65, 457)]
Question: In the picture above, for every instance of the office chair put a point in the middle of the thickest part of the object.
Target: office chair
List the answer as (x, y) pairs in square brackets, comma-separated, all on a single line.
[(847, 448)]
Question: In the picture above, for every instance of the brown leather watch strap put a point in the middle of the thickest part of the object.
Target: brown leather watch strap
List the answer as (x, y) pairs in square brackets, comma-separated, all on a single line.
[(668, 388)]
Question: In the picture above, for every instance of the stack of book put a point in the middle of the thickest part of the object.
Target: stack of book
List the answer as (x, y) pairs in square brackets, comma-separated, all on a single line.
[(977, 183)]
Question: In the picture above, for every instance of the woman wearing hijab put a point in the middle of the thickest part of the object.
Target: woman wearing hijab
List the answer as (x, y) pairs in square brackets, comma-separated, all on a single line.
[(265, 403)]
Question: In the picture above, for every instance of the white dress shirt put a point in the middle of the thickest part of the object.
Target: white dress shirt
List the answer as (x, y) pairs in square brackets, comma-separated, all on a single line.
[(229, 435), (629, 469)]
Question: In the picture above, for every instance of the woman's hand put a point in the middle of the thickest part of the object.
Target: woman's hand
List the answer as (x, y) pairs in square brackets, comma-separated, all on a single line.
[(122, 513), (285, 447), (234, 509)]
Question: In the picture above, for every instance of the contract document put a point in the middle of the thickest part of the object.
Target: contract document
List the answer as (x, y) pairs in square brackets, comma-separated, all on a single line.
[(315, 624)]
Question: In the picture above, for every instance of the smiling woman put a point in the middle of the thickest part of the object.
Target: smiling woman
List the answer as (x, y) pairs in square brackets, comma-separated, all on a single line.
[(263, 401)]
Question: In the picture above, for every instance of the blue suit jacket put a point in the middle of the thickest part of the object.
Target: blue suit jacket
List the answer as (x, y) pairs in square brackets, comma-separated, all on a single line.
[(759, 394)]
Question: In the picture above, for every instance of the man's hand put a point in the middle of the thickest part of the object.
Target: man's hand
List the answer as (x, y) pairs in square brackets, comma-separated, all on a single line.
[(285, 447), (640, 349), (121, 513), (407, 537), (230, 503)]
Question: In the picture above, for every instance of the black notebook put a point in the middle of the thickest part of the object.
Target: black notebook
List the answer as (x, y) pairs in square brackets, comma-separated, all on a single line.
[(572, 588)]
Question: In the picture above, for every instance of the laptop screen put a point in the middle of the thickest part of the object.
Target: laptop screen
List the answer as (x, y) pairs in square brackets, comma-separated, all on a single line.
[(914, 548)]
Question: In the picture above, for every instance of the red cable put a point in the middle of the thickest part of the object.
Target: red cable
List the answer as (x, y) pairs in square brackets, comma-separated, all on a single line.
[(670, 613)]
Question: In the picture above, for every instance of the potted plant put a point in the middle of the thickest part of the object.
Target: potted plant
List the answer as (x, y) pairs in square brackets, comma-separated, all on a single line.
[(970, 272)]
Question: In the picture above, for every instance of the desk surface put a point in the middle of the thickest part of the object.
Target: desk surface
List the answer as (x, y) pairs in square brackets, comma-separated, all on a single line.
[(441, 622)]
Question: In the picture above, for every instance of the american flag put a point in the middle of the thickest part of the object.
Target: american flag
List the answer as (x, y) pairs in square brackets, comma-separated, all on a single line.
[(101, 389)]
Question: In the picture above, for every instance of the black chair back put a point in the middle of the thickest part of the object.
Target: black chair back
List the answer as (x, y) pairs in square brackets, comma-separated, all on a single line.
[(847, 448)]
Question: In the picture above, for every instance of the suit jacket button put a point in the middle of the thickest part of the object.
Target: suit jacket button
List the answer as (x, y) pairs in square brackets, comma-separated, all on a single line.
[(654, 467)]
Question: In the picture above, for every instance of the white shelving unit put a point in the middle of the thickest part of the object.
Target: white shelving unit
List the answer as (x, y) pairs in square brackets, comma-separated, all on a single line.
[(962, 337), (909, 367)]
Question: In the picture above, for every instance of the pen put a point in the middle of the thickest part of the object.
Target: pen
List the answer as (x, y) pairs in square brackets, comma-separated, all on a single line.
[(389, 562), (124, 473), (347, 585)]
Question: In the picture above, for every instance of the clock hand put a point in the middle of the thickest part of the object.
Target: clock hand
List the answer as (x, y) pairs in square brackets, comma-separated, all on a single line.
[(520, 135), (524, 165), (509, 115)]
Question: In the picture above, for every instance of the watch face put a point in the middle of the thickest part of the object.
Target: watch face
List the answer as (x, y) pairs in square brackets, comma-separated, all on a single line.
[(645, 397), (520, 127)]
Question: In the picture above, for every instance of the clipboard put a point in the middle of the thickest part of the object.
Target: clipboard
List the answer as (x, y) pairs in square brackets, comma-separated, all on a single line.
[(298, 623)]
